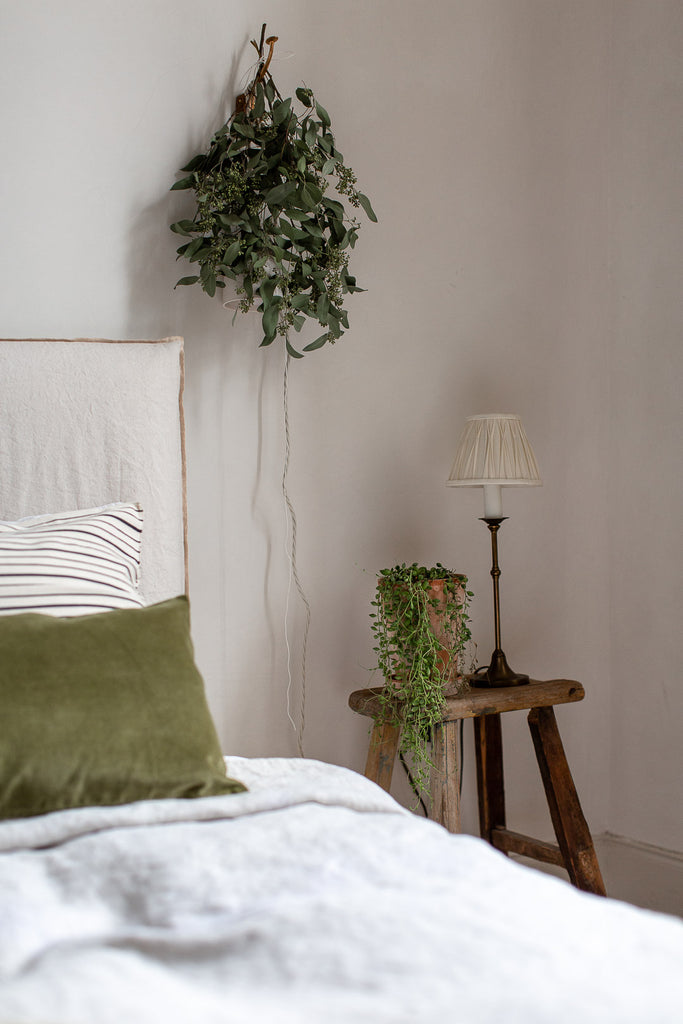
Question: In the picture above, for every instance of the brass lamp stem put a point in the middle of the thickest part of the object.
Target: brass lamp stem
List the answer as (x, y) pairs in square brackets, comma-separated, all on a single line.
[(499, 672), (494, 526)]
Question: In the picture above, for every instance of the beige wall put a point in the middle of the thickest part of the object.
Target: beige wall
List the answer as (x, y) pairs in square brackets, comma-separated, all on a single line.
[(646, 440), (520, 156)]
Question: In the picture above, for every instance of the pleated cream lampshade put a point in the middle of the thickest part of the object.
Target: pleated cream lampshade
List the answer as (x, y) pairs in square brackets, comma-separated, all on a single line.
[(494, 451)]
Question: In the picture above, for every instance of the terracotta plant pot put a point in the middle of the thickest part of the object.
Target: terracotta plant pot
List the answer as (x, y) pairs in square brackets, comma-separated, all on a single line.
[(453, 679)]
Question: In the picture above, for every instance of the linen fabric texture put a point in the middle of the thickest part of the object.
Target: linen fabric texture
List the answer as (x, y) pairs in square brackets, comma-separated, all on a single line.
[(103, 710), (92, 421), (72, 563)]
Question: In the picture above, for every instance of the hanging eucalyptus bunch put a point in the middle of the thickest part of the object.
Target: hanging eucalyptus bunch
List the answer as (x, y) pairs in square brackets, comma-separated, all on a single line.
[(421, 631), (266, 215)]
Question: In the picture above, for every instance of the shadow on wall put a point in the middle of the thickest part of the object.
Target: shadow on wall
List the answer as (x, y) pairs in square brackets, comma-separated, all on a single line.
[(154, 310)]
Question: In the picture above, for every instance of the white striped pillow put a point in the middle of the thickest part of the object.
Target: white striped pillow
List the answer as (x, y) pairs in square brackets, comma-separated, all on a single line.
[(72, 563)]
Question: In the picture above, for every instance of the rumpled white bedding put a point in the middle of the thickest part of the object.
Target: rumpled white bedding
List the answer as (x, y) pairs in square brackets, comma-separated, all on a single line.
[(311, 899)]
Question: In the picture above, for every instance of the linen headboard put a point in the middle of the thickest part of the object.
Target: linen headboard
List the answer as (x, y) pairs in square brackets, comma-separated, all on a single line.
[(86, 422)]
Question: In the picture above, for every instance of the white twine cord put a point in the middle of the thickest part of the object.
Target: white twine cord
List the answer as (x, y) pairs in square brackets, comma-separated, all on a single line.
[(290, 551)]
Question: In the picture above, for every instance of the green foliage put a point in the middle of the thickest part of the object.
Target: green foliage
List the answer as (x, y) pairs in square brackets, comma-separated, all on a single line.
[(265, 217), (420, 626)]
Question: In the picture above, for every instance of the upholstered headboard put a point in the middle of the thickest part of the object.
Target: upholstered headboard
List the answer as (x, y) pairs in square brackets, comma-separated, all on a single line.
[(87, 422)]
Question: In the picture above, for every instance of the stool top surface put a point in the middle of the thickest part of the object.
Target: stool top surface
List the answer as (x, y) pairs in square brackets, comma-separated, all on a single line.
[(487, 700)]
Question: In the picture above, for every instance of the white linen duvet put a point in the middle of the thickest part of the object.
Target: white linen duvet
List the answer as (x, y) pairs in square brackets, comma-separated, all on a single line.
[(311, 899)]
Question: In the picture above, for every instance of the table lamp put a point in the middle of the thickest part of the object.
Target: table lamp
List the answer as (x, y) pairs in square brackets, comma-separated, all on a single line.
[(494, 452)]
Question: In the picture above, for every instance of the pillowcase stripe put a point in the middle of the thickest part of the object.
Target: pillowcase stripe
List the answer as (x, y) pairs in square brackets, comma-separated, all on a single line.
[(72, 563), (78, 559)]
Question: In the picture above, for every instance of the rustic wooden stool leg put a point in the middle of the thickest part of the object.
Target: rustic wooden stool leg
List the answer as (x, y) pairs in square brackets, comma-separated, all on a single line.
[(382, 753), (445, 780), (571, 828), (488, 746)]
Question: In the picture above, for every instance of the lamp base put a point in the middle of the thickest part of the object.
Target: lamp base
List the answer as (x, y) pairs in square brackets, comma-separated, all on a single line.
[(498, 673)]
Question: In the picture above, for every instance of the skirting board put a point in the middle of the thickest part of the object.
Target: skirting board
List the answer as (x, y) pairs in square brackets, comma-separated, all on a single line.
[(636, 872), (649, 876)]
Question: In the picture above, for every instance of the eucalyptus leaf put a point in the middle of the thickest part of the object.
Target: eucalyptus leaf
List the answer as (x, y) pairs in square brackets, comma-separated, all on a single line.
[(188, 182), (312, 228), (295, 234), (195, 163), (281, 111), (291, 351), (310, 195), (270, 319), (334, 328), (322, 309), (193, 248), (259, 102), (333, 206), (318, 343), (208, 280), (365, 203), (184, 227), (245, 130), (323, 115), (231, 253), (230, 220), (304, 96), (277, 195), (253, 163), (267, 289)]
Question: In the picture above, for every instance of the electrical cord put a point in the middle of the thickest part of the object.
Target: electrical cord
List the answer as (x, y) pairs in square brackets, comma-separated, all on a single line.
[(290, 550)]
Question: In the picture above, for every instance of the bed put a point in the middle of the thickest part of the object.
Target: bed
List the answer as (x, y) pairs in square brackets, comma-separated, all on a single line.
[(147, 877)]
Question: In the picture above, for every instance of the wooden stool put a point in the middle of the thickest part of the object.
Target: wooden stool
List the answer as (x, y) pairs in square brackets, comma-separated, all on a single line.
[(574, 851)]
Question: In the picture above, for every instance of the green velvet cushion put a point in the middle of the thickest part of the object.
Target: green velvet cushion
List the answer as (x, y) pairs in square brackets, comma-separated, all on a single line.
[(103, 709)]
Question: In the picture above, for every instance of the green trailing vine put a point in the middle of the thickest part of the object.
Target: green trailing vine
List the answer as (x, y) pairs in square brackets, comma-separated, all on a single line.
[(266, 217), (421, 632)]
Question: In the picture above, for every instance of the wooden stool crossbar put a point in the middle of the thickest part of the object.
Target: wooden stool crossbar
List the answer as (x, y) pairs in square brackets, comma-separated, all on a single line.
[(574, 850)]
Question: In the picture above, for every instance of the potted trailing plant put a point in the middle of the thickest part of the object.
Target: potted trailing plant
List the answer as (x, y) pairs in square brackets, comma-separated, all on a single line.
[(420, 626), (266, 217)]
